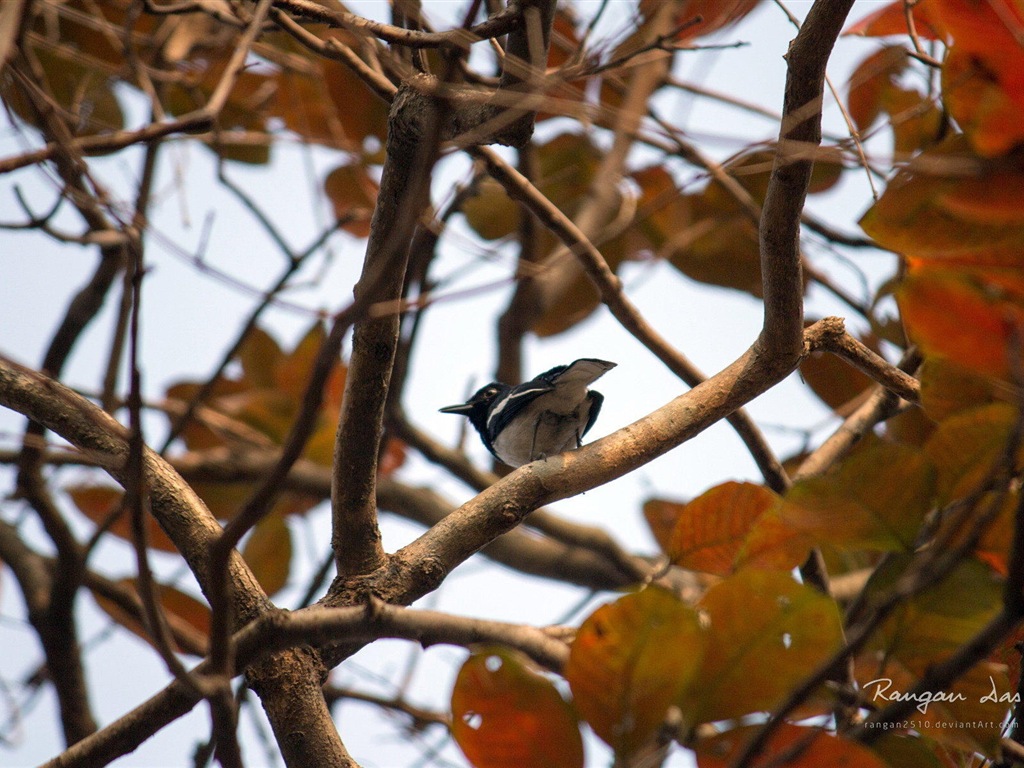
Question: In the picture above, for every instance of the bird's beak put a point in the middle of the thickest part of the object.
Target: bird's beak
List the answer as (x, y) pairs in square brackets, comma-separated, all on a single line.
[(463, 408)]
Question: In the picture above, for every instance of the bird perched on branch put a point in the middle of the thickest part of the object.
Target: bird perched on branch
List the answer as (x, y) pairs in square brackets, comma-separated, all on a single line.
[(539, 418)]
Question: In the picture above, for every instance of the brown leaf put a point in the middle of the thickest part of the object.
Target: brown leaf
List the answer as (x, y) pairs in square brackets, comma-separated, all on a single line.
[(268, 551), (100, 502), (183, 613)]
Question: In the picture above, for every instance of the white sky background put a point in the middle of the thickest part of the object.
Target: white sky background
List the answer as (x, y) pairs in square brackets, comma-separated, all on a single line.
[(190, 318)]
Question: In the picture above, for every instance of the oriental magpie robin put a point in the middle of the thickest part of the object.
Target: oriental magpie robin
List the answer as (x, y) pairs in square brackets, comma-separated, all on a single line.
[(537, 419)]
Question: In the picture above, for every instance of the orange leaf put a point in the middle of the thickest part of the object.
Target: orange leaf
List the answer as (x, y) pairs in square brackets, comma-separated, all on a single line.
[(99, 502), (393, 458), (983, 74), (712, 528), (505, 715), (269, 412), (293, 371), (892, 20), (789, 745), (772, 544), (910, 426), (967, 318), (713, 15), (353, 194), (941, 208), (996, 198), (347, 90), (292, 375), (565, 44), (661, 518), (947, 388), (869, 81), (917, 123), (198, 435), (575, 303), (901, 751), (259, 356), (982, 25), (631, 660)]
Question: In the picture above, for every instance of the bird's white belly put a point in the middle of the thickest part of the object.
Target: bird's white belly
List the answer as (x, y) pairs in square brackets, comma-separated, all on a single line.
[(540, 432)]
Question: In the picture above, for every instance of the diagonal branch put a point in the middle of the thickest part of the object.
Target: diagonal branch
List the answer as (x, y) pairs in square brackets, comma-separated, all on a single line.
[(609, 286)]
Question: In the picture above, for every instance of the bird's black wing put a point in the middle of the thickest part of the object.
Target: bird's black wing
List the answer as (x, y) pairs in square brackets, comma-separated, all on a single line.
[(504, 409), (596, 401)]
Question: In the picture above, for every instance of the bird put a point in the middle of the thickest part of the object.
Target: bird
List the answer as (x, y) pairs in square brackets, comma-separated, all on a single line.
[(547, 415)]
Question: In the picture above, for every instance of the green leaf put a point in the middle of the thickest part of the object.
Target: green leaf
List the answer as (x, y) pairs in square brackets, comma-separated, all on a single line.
[(966, 446), (876, 499), (766, 633)]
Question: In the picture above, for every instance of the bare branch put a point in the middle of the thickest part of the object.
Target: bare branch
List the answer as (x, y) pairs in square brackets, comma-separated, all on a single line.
[(413, 142), (799, 136), (832, 337), (317, 626)]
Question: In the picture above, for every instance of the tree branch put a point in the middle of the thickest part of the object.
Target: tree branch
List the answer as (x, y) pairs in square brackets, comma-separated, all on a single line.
[(290, 678), (414, 135), (832, 337), (799, 137)]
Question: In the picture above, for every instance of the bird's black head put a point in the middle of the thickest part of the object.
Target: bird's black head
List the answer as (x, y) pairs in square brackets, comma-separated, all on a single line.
[(477, 406)]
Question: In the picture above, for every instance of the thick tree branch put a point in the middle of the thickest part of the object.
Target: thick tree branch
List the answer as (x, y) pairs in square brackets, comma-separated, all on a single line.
[(583, 564), (414, 135), (280, 630), (317, 626), (799, 138), (180, 512)]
